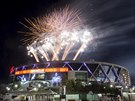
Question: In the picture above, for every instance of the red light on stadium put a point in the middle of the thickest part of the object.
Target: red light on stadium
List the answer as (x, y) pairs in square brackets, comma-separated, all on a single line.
[(11, 69), (41, 70)]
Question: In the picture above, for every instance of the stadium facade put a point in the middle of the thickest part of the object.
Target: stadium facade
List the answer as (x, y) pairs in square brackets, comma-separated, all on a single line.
[(50, 75)]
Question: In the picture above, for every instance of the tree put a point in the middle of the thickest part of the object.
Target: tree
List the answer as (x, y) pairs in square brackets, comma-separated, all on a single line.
[(74, 87), (70, 86)]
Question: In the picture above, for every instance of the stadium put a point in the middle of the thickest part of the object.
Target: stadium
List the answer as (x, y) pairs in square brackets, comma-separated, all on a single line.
[(87, 72), (44, 80)]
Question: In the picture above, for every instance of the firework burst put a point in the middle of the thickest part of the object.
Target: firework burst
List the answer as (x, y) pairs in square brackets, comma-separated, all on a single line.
[(52, 24), (53, 36)]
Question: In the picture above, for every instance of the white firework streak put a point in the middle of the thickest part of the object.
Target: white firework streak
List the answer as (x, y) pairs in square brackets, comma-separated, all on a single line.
[(57, 31)]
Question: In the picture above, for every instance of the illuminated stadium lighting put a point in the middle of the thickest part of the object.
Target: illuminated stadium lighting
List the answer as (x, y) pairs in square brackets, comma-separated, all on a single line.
[(44, 82), (133, 88), (41, 70), (23, 82), (65, 67), (111, 86), (100, 95), (45, 75), (39, 85), (126, 87), (89, 83), (8, 88), (15, 85), (35, 89)]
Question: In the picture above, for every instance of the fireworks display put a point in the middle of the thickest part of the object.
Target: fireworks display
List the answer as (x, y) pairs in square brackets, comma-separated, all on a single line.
[(54, 36)]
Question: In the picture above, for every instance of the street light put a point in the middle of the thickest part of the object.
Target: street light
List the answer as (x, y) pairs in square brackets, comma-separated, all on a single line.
[(126, 87), (39, 85), (111, 86), (8, 88), (35, 89), (133, 88), (16, 85)]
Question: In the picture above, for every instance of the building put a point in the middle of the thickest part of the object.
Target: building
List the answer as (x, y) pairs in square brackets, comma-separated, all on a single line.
[(47, 78)]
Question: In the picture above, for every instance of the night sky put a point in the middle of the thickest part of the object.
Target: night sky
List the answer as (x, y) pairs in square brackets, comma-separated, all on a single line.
[(111, 21)]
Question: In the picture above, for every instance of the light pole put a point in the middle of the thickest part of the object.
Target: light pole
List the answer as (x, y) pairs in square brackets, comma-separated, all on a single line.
[(64, 90)]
